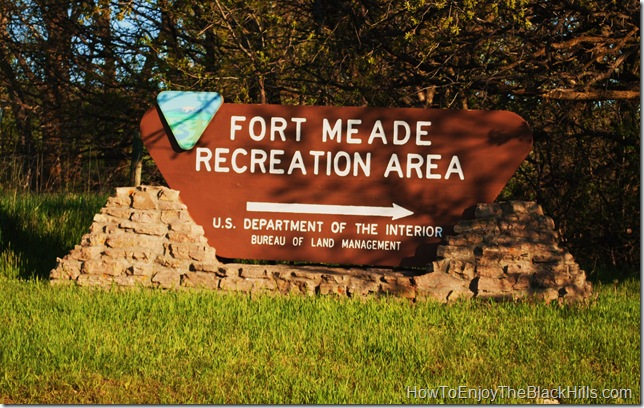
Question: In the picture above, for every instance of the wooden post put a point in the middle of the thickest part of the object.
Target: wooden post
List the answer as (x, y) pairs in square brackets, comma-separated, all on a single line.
[(137, 160)]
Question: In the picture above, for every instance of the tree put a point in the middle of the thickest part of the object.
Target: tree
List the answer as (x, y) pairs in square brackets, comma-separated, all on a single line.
[(78, 77)]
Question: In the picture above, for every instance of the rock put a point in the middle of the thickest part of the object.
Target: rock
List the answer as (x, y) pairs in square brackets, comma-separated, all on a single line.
[(249, 285), (515, 254), (492, 286), (133, 280), (141, 217), (111, 267), (216, 268), (145, 237), (399, 286), (332, 288), (254, 272), (168, 195), (487, 211), (363, 286), (490, 271), (167, 278), (132, 243), (442, 287), (461, 253), (142, 200), (202, 280), (141, 270)]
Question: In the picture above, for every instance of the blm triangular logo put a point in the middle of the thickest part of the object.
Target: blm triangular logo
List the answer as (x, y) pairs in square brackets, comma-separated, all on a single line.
[(188, 114)]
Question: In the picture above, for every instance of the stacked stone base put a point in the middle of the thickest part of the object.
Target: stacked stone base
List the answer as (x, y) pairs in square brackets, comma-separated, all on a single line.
[(144, 237), (508, 250)]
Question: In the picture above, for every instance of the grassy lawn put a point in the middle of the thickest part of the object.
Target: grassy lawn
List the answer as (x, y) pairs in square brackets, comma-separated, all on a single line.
[(74, 345)]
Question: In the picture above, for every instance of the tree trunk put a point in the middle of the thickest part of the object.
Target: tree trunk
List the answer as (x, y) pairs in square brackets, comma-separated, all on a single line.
[(137, 160)]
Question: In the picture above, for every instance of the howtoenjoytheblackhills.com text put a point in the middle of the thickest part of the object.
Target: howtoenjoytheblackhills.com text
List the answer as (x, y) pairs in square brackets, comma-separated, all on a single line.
[(496, 394)]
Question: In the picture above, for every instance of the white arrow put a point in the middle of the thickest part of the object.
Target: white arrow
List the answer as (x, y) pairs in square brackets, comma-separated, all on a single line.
[(395, 211)]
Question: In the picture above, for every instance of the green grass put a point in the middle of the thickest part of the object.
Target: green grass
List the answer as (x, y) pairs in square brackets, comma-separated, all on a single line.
[(35, 229), (63, 345)]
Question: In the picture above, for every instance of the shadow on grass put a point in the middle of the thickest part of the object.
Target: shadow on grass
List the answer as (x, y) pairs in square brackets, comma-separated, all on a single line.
[(35, 230), (612, 274), (34, 253)]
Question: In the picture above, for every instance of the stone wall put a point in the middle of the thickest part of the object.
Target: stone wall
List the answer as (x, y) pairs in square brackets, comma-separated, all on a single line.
[(144, 237), (506, 250)]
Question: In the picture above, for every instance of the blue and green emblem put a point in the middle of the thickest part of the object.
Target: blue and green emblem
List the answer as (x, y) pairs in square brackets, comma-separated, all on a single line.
[(188, 114)]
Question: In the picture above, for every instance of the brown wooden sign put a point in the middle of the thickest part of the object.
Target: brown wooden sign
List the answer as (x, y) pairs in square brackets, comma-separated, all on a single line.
[(350, 185)]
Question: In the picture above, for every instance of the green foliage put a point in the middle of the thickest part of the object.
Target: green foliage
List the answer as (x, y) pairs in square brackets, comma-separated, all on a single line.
[(576, 172)]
